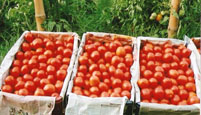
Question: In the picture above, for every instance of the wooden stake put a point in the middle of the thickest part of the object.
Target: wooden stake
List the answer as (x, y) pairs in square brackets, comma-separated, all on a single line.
[(173, 21), (39, 14)]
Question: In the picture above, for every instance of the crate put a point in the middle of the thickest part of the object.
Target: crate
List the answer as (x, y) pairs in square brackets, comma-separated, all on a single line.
[(41, 104), (126, 105), (158, 109)]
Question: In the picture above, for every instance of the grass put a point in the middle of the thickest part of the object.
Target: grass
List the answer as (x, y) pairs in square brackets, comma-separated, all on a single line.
[(129, 17)]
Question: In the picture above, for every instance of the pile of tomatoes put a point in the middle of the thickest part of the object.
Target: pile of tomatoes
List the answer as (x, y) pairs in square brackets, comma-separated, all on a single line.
[(165, 74), (104, 70), (40, 67)]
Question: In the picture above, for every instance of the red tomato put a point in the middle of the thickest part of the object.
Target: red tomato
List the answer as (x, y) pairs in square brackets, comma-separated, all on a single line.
[(182, 79), (145, 93), (186, 52), (147, 49), (93, 67), (126, 93), (181, 72), (150, 56), (17, 63), (150, 65), (7, 88), (55, 62), (121, 66), (174, 65), (159, 76), (32, 63), (183, 94), (176, 59), (169, 94), (167, 57), (183, 102), (157, 49), (25, 47), (114, 94), (23, 92), (19, 85), (111, 70), (66, 61), (177, 52), (159, 69), (78, 81), (9, 80), (58, 43), (116, 83), (15, 71), (113, 46), (28, 37), (58, 86), (50, 45), (78, 92), (61, 75), (115, 60), (48, 53), (104, 94), (128, 49), (97, 73), (148, 74), (30, 86), (153, 82), (153, 100), (41, 74), (42, 58), (95, 56), (189, 73), (127, 76), (51, 70), (51, 78), (164, 101), (49, 89), (108, 56), (193, 100), (128, 62), (36, 81), (94, 90), (159, 93), (103, 86), (36, 43), (168, 50), (190, 86), (43, 82), (158, 56), (27, 77), (167, 83), (19, 55), (34, 72), (39, 92), (119, 74), (94, 81), (183, 65), (166, 66), (172, 73), (126, 86)]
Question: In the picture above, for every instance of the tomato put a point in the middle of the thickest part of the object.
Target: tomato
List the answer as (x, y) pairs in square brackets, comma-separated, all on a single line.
[(113, 46), (70, 39), (19, 55), (177, 52), (36, 81), (107, 81), (97, 73), (43, 82), (41, 74), (159, 17), (172, 73), (126, 86), (164, 101), (116, 83), (119, 74), (95, 56), (94, 81), (150, 56), (15, 71), (191, 79), (181, 72), (121, 66), (86, 92), (169, 94), (17, 63), (58, 43), (39, 92), (193, 100), (78, 92), (48, 53), (183, 94), (153, 82), (117, 90), (182, 79), (64, 67), (147, 49), (114, 94), (50, 45), (174, 65), (176, 59), (80, 74), (36, 43), (51, 78), (78, 81), (128, 62), (120, 51), (51, 70), (158, 56), (25, 47), (128, 49), (9, 80), (127, 76), (28, 37), (7, 88), (189, 73), (104, 94), (55, 62), (166, 66), (158, 76), (153, 100), (19, 85), (183, 102), (108, 56), (112, 70), (143, 62), (145, 93), (61, 75), (32, 63), (66, 61), (148, 74), (159, 69), (167, 57), (103, 86), (190, 86), (150, 65), (27, 77), (49, 89), (58, 86), (93, 67), (94, 90), (102, 68), (23, 92), (159, 93), (157, 49), (42, 58), (90, 48), (167, 83), (183, 65), (115, 60), (126, 93), (30, 86), (145, 101), (186, 52)]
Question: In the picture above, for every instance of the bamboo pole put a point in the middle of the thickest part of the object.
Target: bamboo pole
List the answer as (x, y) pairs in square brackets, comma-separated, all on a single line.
[(173, 21), (39, 14)]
